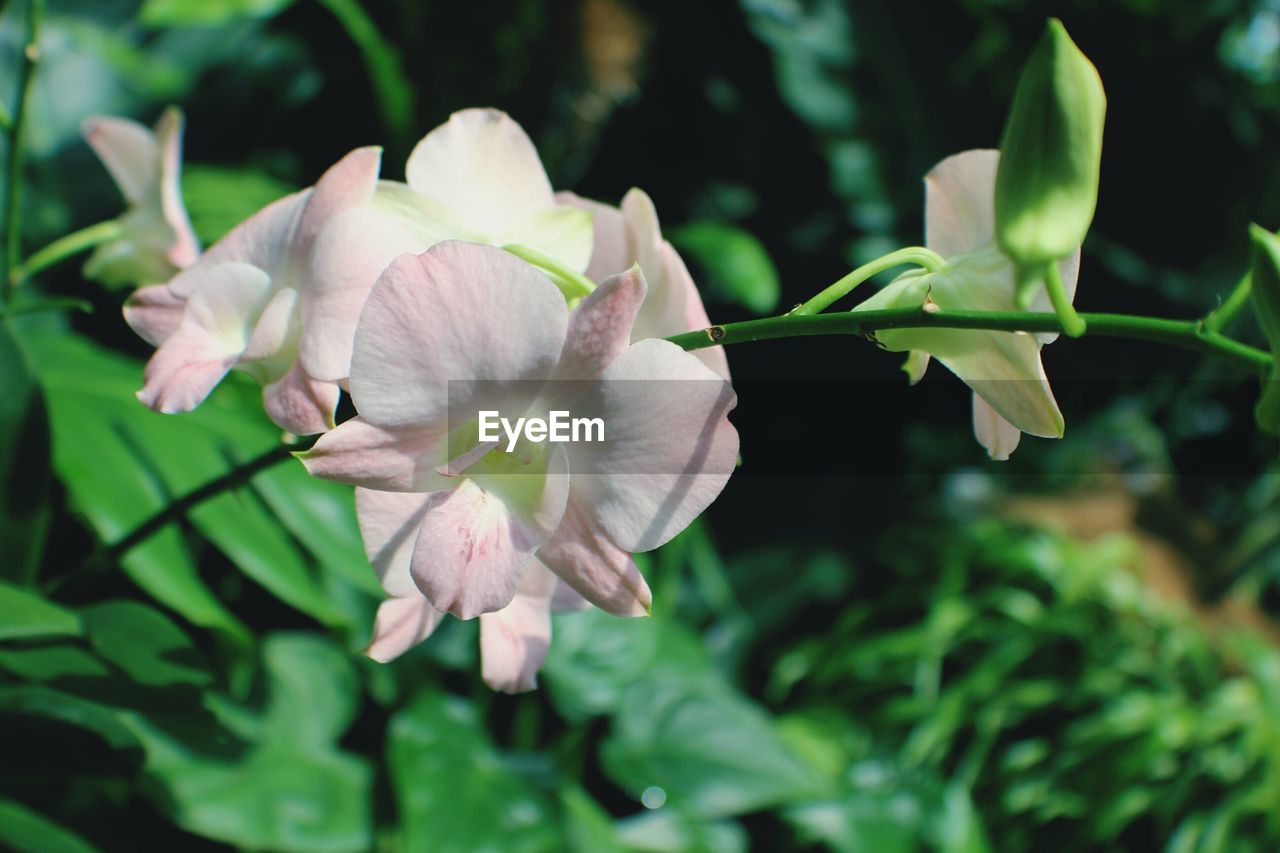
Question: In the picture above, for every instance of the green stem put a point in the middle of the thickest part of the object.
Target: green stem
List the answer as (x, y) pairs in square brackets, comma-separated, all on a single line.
[(1071, 322), (917, 255), (574, 285), (1223, 314), (13, 210), (1187, 334), (65, 247)]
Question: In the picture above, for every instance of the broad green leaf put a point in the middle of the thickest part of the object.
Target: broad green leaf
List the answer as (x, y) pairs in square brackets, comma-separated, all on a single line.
[(218, 198), (736, 265), (24, 613), (1050, 154), (670, 831), (314, 691), (189, 13), (50, 663), (711, 751), (24, 464), (588, 827), (23, 830), (142, 642), (453, 791), (53, 704)]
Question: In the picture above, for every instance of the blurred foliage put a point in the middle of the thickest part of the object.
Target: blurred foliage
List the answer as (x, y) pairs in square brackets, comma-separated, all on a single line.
[(837, 658)]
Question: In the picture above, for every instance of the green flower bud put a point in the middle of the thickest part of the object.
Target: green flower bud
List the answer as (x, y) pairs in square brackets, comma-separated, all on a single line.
[(1047, 183), (1266, 304)]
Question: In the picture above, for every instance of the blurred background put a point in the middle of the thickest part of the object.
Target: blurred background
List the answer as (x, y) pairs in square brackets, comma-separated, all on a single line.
[(876, 639)]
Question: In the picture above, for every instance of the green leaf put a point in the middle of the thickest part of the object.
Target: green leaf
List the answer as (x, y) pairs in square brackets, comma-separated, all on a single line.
[(737, 267), (218, 198), (27, 614), (144, 643), (711, 751), (25, 466), (50, 663), (28, 832), (1050, 154), (453, 791), (190, 13)]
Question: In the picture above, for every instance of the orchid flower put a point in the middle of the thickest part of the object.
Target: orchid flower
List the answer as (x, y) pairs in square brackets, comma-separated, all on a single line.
[(513, 641), (1011, 392), (244, 305), (156, 239), (478, 178), (629, 235), (464, 328)]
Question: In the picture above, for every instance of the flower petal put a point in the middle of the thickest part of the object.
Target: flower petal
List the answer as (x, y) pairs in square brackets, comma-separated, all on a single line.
[(154, 313), (262, 241), (345, 185), (438, 322), (997, 435), (299, 404), (960, 198), (185, 248), (669, 447), (590, 564), (600, 327), (472, 551), (128, 150), (386, 458), (610, 236), (563, 233), (400, 625), (482, 167), (389, 523), (213, 333), (514, 640)]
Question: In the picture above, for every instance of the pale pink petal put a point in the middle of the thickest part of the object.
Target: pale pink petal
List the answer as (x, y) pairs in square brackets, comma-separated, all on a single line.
[(400, 625), (960, 203), (387, 458), (514, 640), (262, 241), (668, 450), (593, 566), (687, 305), (128, 150), (997, 435), (565, 599), (438, 322), (299, 404), (154, 312), (389, 523), (600, 327), (213, 333), (475, 544), (346, 185), (185, 247), (347, 258), (645, 237), (482, 167), (611, 245), (275, 333)]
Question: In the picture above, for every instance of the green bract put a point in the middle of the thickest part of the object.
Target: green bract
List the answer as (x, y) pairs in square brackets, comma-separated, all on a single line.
[(1047, 185), (1266, 304)]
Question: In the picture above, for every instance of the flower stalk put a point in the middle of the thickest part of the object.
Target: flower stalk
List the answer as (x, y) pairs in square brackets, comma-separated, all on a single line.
[(63, 248), (17, 145), (913, 255)]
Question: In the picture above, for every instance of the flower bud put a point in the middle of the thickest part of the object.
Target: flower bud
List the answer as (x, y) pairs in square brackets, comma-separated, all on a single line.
[(1047, 182)]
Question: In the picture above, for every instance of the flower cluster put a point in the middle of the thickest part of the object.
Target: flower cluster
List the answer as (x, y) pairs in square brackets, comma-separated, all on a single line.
[(471, 286)]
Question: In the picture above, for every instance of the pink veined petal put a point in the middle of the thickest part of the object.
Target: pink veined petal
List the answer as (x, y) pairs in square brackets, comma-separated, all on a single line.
[(401, 624), (185, 247), (300, 404), (997, 435), (600, 327), (262, 241), (389, 523), (514, 640), (473, 550), (128, 150), (345, 260), (610, 241), (213, 333), (154, 313), (669, 448), (594, 567), (387, 458), (960, 202), (438, 323), (482, 167), (346, 185)]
